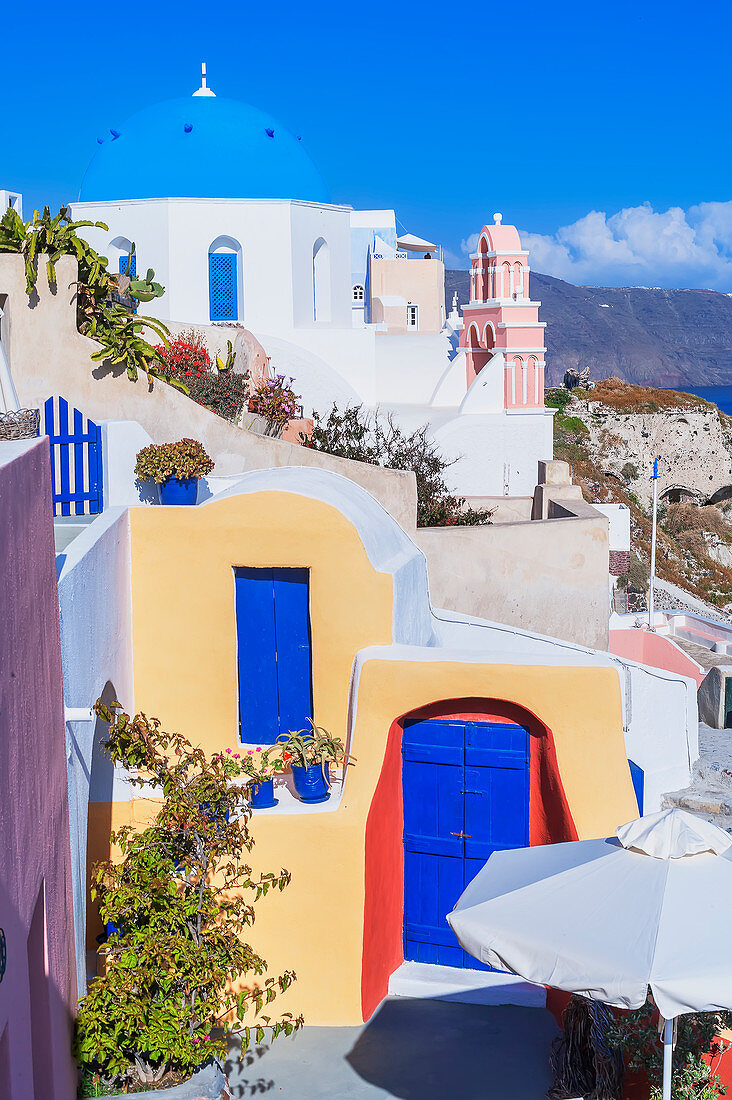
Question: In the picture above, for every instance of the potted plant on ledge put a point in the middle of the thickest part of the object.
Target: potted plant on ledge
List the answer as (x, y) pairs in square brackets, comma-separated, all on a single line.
[(175, 467), (261, 771), (310, 754)]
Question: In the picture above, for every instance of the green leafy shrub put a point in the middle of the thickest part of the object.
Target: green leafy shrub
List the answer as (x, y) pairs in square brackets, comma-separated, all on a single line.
[(185, 459), (557, 399), (636, 1033), (638, 576), (629, 471), (101, 312), (353, 433), (180, 977)]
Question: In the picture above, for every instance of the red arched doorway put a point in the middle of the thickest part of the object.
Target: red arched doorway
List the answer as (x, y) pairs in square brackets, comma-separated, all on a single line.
[(548, 821)]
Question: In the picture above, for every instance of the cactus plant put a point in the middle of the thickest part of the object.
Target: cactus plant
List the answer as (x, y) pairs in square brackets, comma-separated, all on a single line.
[(230, 358)]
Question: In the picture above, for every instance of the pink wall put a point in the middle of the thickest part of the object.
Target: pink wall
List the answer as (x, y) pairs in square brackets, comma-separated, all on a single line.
[(38, 991), (655, 650)]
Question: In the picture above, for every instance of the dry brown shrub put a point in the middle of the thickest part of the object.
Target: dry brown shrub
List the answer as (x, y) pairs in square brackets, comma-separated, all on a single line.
[(690, 517), (627, 398)]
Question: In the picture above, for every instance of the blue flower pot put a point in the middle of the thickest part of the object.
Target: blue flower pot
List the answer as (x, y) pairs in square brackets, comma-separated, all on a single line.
[(312, 783), (261, 795), (176, 490)]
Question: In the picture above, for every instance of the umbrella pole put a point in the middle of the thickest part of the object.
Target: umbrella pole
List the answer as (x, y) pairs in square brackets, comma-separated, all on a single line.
[(668, 1053)]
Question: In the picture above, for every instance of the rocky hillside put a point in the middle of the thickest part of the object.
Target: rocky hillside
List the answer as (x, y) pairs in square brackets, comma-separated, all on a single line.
[(663, 337), (603, 433)]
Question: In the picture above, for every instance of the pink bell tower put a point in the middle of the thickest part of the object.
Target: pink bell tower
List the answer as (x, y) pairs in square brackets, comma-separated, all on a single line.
[(501, 321)]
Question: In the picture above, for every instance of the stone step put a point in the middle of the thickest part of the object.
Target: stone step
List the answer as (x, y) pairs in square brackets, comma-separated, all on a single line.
[(477, 987)]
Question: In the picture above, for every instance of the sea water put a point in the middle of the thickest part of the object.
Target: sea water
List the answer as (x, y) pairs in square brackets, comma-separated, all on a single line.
[(721, 396)]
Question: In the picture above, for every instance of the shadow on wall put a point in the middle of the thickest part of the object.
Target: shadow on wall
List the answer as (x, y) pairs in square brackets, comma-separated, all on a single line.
[(99, 819)]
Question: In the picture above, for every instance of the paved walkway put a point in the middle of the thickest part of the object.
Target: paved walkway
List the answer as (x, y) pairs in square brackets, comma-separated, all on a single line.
[(413, 1049)]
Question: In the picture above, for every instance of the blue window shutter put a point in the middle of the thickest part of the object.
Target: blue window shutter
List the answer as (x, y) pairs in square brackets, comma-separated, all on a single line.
[(133, 265), (273, 644), (292, 633), (255, 634), (222, 286)]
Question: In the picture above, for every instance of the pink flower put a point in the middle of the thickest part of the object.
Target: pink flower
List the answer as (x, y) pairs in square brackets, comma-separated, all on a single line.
[(228, 750), (259, 748)]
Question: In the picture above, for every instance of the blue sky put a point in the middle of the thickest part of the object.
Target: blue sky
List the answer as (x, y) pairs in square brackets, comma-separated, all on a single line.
[(600, 129)]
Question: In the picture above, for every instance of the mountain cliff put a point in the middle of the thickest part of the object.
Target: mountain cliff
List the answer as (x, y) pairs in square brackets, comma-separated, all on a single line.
[(669, 338)]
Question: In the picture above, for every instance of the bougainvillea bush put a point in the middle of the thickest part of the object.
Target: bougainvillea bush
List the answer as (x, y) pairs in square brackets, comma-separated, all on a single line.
[(187, 458), (275, 400), (187, 361), (180, 978)]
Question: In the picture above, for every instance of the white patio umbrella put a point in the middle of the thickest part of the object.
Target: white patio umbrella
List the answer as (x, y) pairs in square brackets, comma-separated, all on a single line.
[(609, 918)]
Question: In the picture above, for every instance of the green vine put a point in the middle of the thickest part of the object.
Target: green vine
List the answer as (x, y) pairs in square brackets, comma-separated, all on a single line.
[(102, 312)]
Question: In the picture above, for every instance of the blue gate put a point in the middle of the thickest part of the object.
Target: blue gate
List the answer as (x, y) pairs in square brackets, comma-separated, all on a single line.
[(466, 795), (76, 459)]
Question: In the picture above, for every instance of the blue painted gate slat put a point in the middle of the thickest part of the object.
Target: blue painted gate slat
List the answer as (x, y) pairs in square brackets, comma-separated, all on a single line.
[(82, 440), (274, 652), (469, 778)]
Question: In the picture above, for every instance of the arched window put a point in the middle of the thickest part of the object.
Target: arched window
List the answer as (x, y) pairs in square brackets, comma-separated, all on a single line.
[(518, 280), (358, 293), (224, 279), (321, 281)]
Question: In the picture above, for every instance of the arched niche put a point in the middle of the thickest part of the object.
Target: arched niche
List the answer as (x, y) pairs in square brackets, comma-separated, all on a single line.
[(321, 281), (119, 250)]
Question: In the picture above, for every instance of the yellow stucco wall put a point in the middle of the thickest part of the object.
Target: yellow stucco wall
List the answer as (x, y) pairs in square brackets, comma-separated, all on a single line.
[(183, 624), (185, 674)]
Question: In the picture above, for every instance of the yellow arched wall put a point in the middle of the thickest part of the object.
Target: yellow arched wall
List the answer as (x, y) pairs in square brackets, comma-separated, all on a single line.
[(185, 674), (183, 619)]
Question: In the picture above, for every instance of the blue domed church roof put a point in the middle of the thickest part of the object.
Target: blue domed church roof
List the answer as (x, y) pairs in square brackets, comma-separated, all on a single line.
[(202, 147)]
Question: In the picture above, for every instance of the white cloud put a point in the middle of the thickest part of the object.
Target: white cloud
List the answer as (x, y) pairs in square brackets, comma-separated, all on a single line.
[(639, 246)]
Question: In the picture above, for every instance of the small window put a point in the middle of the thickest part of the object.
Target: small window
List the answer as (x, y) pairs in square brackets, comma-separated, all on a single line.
[(358, 293), (412, 316)]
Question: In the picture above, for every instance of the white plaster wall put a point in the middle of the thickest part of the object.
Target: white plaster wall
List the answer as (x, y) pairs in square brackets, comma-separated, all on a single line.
[(96, 652), (308, 223), (478, 445), (409, 367), (659, 708), (121, 440), (619, 524), (276, 237)]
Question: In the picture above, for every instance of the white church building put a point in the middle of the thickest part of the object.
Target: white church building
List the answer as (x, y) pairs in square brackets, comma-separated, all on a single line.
[(228, 208)]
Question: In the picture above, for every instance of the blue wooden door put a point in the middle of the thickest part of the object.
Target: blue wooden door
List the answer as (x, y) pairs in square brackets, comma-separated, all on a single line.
[(274, 661), (466, 795), (222, 286), (76, 459)]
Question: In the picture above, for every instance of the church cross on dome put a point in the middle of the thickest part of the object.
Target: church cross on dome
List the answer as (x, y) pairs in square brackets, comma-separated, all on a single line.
[(204, 89)]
